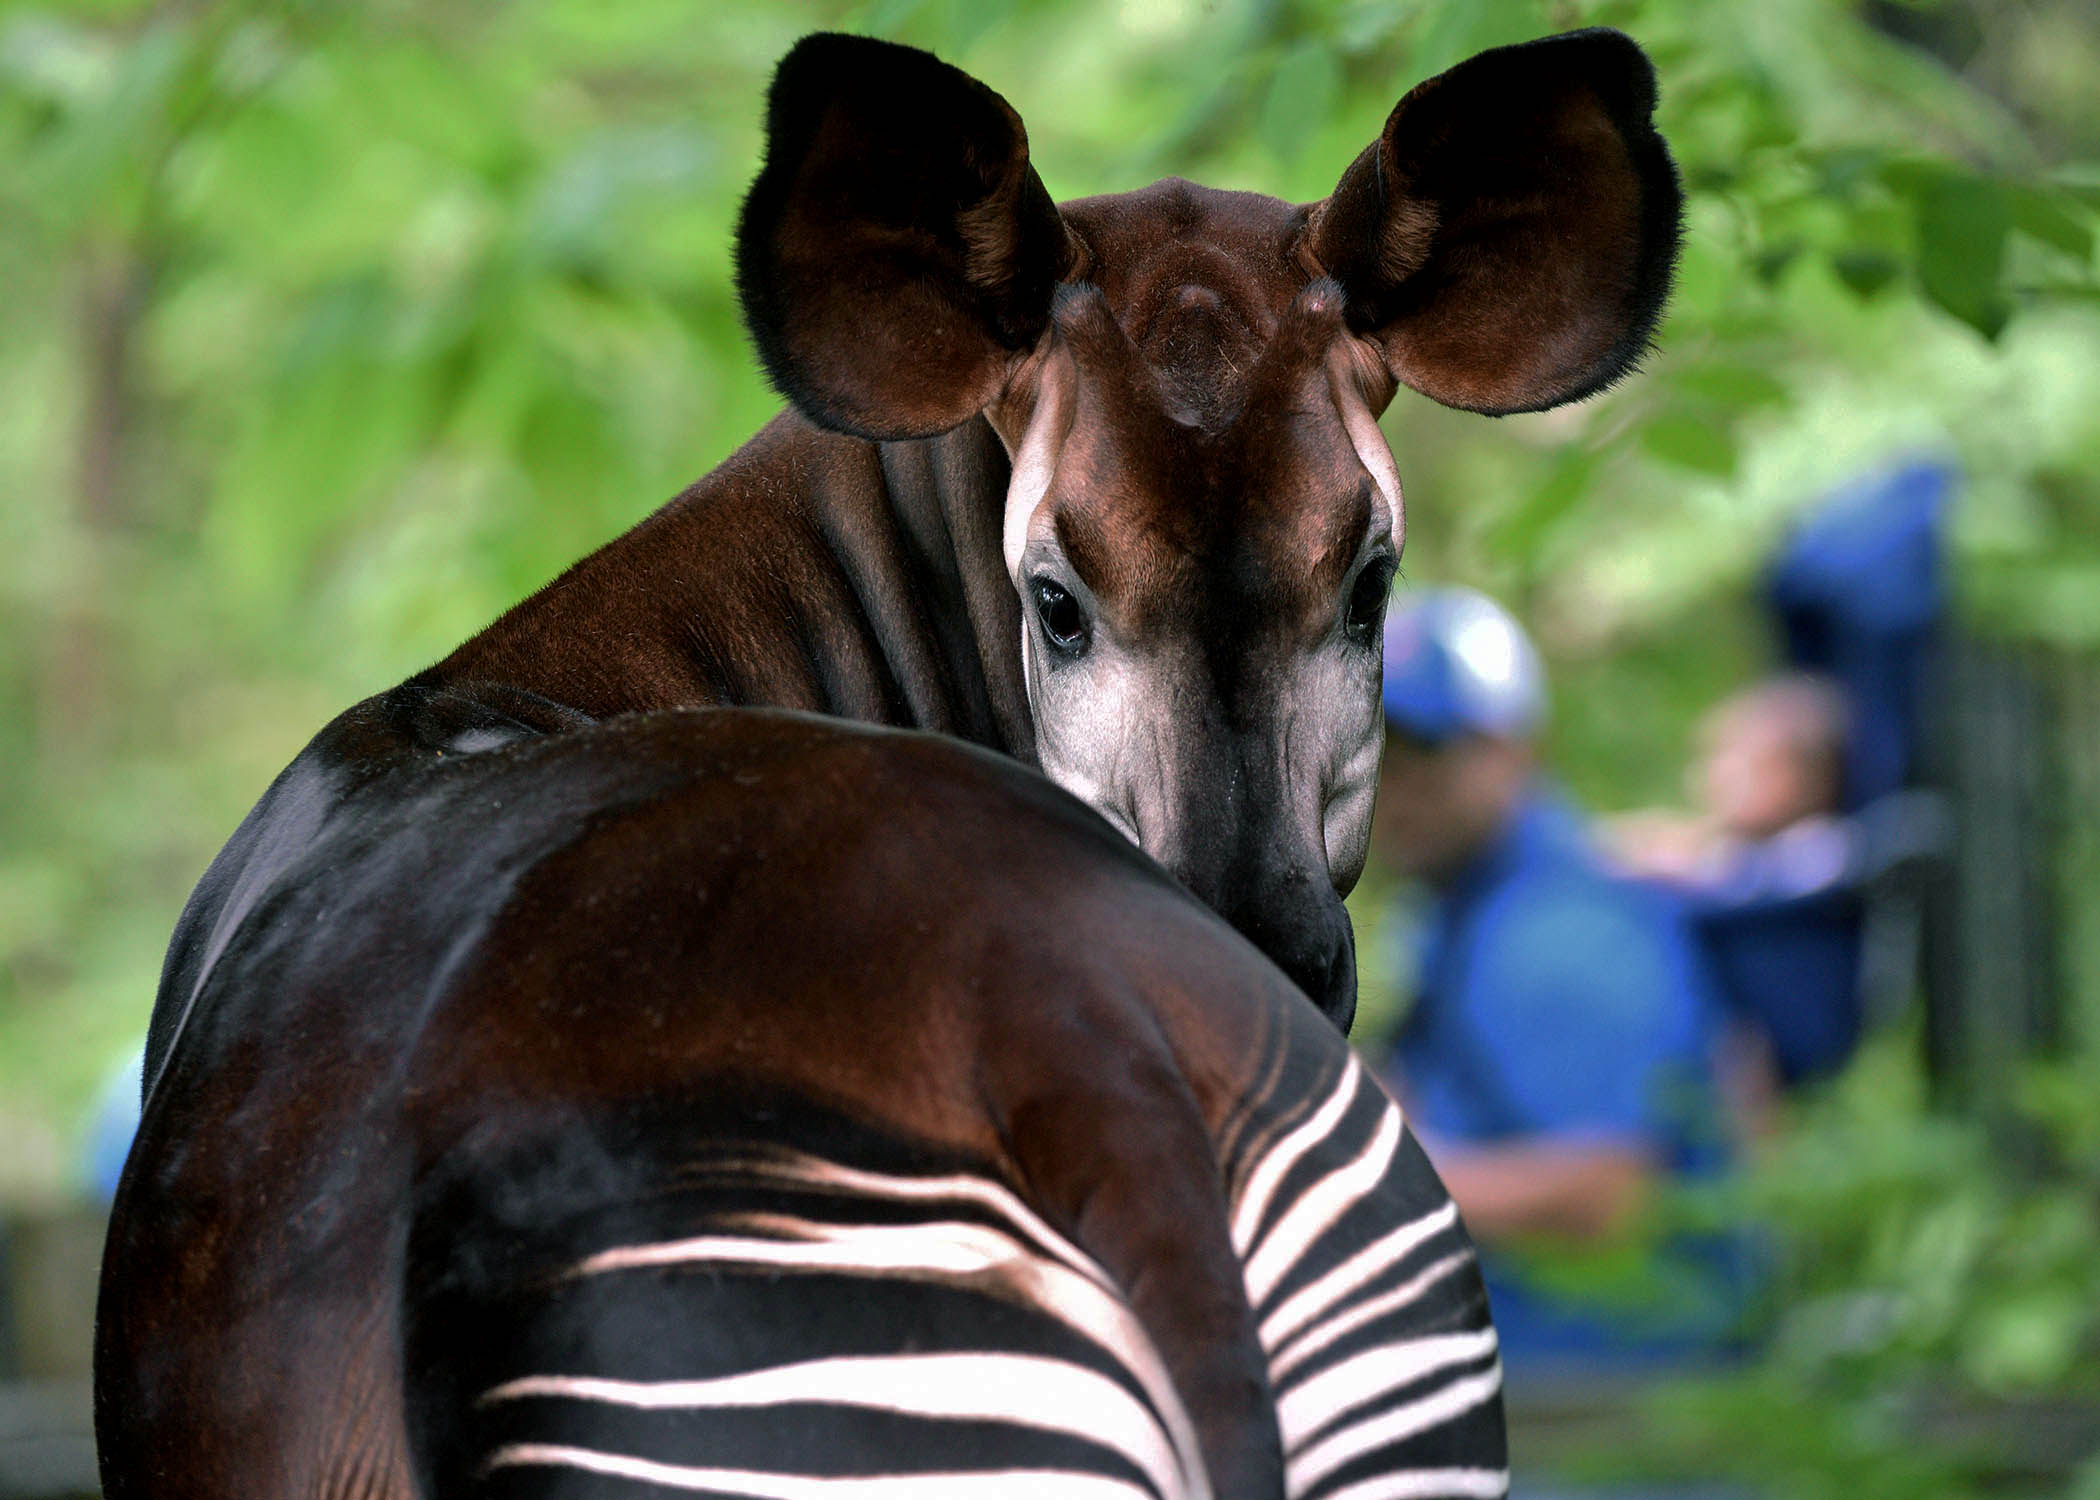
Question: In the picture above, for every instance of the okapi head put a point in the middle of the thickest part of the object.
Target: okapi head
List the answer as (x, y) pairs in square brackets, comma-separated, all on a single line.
[(1203, 520)]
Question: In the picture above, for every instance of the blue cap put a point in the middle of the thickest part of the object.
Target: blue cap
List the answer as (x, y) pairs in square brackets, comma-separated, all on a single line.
[(1457, 663)]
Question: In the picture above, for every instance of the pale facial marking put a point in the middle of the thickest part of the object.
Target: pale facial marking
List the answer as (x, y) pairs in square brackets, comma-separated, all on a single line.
[(1087, 717), (1105, 721), (1035, 458), (1342, 699), (1371, 448)]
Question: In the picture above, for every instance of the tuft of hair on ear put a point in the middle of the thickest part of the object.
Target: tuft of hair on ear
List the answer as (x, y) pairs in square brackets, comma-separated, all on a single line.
[(897, 248)]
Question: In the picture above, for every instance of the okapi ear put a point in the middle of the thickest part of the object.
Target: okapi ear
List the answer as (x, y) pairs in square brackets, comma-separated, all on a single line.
[(897, 250), (1507, 241)]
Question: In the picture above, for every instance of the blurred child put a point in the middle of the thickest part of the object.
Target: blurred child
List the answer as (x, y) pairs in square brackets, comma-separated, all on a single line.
[(1767, 785), (1768, 870)]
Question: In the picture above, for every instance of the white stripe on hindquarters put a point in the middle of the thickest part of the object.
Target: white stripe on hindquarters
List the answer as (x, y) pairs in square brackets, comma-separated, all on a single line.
[(955, 1253), (1308, 1468), (1030, 1391), (803, 1170), (1321, 1400), (1319, 1299), (1008, 1484), (1428, 1484), (1336, 1216), (1278, 1159), (1321, 1335), (1320, 1208)]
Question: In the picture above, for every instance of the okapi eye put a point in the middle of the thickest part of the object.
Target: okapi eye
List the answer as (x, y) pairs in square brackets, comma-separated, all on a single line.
[(1367, 599), (1064, 622)]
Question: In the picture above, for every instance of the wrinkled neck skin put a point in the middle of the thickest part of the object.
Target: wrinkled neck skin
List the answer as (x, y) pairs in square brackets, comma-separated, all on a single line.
[(810, 571)]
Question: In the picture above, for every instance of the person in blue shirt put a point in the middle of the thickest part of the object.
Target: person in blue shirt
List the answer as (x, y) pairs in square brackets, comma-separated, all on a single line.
[(1558, 1062)]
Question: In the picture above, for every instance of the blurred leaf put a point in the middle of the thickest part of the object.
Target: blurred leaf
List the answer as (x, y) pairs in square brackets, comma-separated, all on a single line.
[(1962, 224), (1691, 441), (1519, 531), (1452, 33), (580, 209), (2029, 1341), (2043, 214), (1300, 99), (1843, 172), (1866, 272), (54, 60), (92, 162), (1739, 387), (1771, 262)]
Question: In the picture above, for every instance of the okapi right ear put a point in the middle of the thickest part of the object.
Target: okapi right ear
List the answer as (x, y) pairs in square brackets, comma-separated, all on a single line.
[(1507, 241), (897, 252)]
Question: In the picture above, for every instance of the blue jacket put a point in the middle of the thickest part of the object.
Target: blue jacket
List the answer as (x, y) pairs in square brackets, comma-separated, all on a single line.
[(1561, 1002)]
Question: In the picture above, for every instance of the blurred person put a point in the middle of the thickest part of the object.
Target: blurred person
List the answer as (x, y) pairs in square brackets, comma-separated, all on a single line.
[(1806, 786), (1767, 790), (1769, 871), (1558, 1060)]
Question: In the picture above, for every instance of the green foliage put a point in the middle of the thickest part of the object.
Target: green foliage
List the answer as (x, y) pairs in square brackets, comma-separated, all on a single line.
[(1938, 1303), (331, 330)]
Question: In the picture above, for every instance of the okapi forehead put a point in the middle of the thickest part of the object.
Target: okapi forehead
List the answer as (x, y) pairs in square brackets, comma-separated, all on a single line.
[(1197, 278), (1173, 529), (1165, 517)]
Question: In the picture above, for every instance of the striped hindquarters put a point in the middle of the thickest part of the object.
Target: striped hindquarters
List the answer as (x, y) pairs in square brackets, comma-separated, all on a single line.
[(802, 1328), (1369, 1303)]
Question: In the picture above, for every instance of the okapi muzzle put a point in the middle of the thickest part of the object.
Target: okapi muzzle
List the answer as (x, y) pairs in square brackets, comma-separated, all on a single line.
[(1202, 519)]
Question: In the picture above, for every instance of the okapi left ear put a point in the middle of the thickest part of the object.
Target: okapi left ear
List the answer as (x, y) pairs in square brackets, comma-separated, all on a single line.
[(1507, 241), (897, 252)]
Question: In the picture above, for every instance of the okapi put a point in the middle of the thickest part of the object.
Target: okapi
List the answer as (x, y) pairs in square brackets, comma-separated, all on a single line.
[(598, 1066)]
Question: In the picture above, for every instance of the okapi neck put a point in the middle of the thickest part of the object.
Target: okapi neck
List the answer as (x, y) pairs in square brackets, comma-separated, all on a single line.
[(811, 571)]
